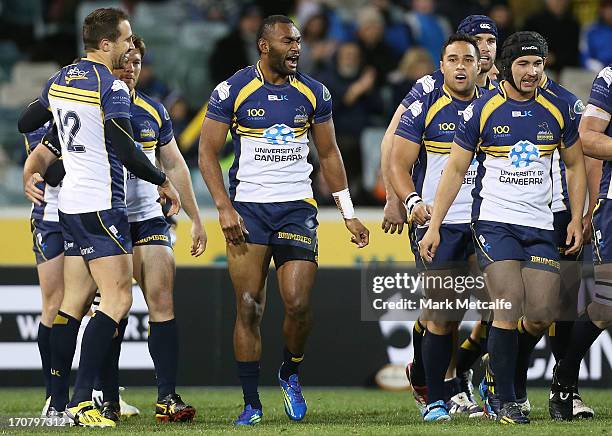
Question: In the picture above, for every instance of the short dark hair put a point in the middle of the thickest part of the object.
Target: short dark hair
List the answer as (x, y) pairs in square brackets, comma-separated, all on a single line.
[(139, 44), (460, 37), (102, 24), (268, 24)]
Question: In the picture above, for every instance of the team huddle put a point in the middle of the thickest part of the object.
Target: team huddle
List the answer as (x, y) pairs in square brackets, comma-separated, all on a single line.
[(488, 175)]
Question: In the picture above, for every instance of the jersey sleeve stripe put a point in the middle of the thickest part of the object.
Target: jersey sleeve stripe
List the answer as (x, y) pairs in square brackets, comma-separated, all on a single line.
[(552, 109), (301, 86), (150, 109), (490, 107), (91, 100), (440, 103), (247, 90)]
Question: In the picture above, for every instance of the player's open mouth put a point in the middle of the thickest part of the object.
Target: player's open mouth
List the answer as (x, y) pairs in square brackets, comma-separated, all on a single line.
[(292, 61), (460, 78)]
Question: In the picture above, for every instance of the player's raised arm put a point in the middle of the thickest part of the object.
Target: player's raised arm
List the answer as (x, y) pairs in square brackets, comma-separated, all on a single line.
[(394, 214), (332, 169), (176, 168)]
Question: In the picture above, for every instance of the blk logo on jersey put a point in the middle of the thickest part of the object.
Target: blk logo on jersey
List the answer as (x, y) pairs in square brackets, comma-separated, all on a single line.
[(521, 114), (523, 153), (272, 97)]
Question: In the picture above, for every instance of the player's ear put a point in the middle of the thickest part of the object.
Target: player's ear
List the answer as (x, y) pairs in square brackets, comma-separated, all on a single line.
[(442, 67), (104, 45), (264, 47)]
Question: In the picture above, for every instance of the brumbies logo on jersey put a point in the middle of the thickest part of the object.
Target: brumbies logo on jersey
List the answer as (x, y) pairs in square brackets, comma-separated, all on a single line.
[(544, 132), (428, 83), (606, 74), (147, 130), (223, 89), (301, 117)]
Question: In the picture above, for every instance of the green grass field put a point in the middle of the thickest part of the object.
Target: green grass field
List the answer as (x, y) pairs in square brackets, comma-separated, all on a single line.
[(331, 412)]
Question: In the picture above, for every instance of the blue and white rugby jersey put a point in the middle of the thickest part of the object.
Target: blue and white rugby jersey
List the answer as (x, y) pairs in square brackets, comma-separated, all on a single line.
[(152, 128), (560, 197), (514, 142), (601, 97), (47, 211), (431, 122), (428, 83), (82, 97), (269, 125)]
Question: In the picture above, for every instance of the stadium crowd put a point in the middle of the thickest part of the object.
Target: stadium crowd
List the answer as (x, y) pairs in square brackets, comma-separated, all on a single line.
[(368, 52)]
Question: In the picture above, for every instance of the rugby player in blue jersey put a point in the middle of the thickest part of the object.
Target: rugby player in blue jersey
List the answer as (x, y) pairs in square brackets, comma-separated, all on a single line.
[(512, 221), (270, 108), (91, 109), (421, 148), (596, 134)]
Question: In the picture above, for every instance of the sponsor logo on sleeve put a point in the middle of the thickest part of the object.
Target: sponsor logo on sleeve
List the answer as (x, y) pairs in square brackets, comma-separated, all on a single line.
[(606, 75), (223, 90), (428, 83), (119, 85), (326, 94), (468, 112), (416, 108)]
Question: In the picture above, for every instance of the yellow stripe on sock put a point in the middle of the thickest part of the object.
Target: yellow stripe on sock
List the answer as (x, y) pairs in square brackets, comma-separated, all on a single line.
[(297, 359)]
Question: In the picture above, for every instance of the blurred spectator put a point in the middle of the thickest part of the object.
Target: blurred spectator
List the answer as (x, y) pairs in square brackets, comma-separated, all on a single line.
[(397, 33), (148, 81), (239, 48), (455, 11), (429, 30), (562, 31), (355, 100), (596, 43), (374, 51), (415, 64), (317, 49), (503, 17)]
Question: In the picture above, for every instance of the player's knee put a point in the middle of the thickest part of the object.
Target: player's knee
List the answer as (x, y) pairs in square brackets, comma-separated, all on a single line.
[(297, 308), (249, 311), (539, 325), (161, 304)]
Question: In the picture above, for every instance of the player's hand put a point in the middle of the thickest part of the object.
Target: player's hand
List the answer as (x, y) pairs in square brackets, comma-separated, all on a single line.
[(587, 229), (429, 244), (394, 216), (574, 237), (198, 239), (32, 193), (232, 226), (167, 192), (361, 235), (421, 213)]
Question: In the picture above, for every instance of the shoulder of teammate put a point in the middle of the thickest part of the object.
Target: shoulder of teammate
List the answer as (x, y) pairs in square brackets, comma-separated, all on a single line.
[(575, 104), (468, 131), (423, 86), (323, 98), (601, 91), (569, 129), (412, 123), (32, 139), (221, 102), (165, 123), (114, 94)]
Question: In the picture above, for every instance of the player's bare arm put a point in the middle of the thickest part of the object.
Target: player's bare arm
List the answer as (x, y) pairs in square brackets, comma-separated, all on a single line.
[(212, 139), (332, 169), (595, 143), (449, 186), (394, 214), (178, 172), (35, 166), (576, 185), (403, 156)]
